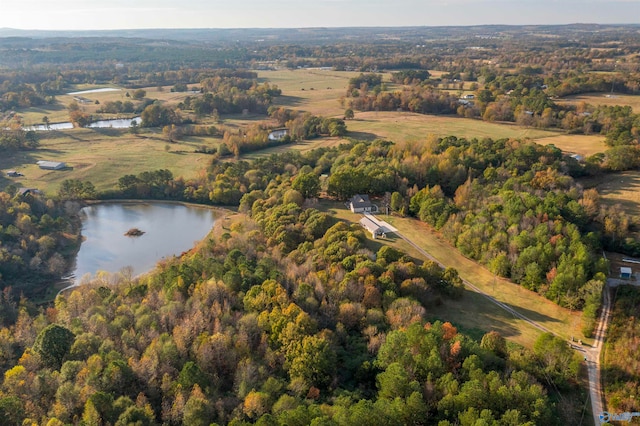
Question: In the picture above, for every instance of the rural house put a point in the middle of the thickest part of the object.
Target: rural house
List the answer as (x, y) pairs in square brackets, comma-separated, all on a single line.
[(278, 135), (361, 203)]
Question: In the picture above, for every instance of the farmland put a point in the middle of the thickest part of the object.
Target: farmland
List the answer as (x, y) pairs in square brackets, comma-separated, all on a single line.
[(102, 156), (584, 145), (603, 99)]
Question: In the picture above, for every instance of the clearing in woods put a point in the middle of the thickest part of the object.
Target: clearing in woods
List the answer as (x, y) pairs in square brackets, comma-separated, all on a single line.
[(473, 312)]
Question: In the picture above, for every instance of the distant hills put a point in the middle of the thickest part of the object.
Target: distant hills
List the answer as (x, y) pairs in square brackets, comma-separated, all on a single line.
[(302, 35)]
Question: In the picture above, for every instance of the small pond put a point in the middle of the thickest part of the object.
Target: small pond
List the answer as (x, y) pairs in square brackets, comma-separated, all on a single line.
[(104, 89), (116, 123), (169, 229)]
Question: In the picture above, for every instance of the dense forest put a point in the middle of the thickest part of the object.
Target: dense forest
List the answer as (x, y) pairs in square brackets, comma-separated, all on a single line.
[(285, 318), (38, 239)]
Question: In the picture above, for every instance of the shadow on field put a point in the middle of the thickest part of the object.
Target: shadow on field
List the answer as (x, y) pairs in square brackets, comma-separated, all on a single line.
[(475, 315), (49, 150), (365, 136), (289, 100), (54, 134), (49, 109), (4, 182), (109, 131), (615, 374), (17, 159), (532, 315)]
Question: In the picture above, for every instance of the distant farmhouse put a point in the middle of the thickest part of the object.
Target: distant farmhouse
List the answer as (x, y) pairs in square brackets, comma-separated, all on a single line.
[(51, 165), (361, 204), (278, 135)]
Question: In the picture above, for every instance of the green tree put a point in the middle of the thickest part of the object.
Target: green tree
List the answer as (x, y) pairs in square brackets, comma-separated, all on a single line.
[(196, 410), (395, 382), (312, 361), (494, 342), (11, 411), (308, 184), (397, 202), (53, 344), (75, 189), (348, 114), (139, 94)]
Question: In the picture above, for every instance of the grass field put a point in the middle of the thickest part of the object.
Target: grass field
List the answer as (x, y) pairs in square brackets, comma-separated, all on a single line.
[(313, 90), (58, 112), (585, 145), (102, 156), (559, 320), (603, 99), (473, 312), (302, 146), (406, 126), (618, 188)]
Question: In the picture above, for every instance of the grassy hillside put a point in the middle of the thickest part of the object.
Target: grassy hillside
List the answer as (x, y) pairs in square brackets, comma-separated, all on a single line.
[(406, 126), (603, 99), (102, 156)]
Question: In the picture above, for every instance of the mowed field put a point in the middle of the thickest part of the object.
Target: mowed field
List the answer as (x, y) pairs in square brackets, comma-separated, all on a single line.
[(618, 188), (102, 157), (313, 90), (407, 126), (58, 112), (585, 145), (603, 99)]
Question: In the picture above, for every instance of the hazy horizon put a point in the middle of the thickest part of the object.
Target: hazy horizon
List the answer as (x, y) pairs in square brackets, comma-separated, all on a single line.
[(165, 14)]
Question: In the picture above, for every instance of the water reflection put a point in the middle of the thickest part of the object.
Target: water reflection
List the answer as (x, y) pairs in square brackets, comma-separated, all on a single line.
[(169, 229), (116, 123)]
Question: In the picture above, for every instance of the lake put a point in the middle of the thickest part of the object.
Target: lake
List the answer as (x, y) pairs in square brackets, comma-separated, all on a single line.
[(104, 89), (169, 229), (115, 123)]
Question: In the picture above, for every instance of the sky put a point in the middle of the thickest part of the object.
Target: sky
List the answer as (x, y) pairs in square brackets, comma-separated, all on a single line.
[(134, 14)]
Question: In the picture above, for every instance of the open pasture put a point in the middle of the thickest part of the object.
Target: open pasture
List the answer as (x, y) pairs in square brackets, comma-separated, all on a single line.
[(102, 156), (58, 111), (313, 90), (302, 146), (585, 145), (618, 188), (407, 126), (603, 99)]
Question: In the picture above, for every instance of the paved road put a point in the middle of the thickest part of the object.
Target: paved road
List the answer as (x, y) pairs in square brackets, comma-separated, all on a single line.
[(591, 354), (593, 359)]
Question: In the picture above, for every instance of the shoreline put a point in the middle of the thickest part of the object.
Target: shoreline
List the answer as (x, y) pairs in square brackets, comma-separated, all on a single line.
[(72, 282)]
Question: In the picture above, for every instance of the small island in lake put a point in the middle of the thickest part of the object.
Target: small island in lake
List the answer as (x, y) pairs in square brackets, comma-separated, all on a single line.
[(133, 232)]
